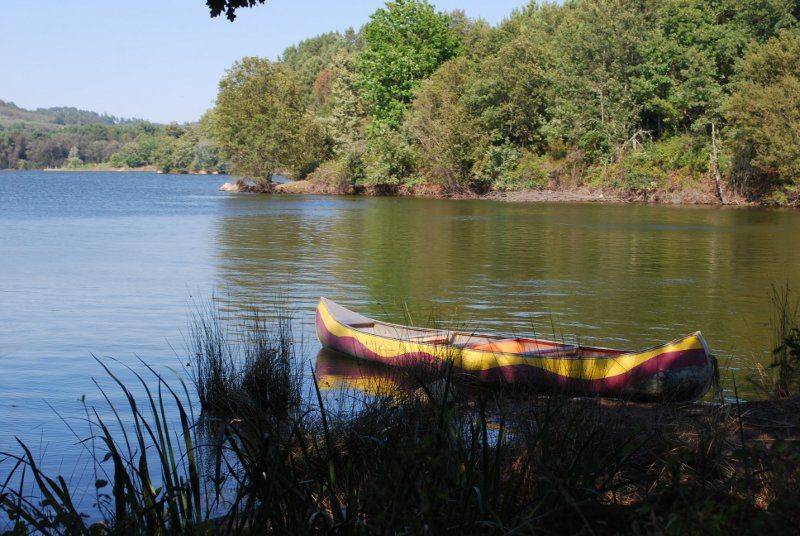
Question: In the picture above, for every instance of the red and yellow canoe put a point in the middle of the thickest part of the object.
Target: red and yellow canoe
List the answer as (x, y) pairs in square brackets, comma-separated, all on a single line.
[(676, 371)]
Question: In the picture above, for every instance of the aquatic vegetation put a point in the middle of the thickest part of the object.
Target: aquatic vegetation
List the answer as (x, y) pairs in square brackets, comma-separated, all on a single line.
[(781, 378)]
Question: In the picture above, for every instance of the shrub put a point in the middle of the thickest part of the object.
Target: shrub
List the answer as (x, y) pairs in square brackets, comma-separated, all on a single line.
[(531, 172), (337, 175), (498, 162), (389, 158), (116, 160), (655, 165)]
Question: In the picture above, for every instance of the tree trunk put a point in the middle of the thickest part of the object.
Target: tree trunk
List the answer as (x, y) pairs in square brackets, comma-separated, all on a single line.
[(715, 164)]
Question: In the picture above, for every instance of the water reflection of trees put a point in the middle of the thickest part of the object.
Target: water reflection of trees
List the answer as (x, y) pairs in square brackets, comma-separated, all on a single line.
[(635, 273)]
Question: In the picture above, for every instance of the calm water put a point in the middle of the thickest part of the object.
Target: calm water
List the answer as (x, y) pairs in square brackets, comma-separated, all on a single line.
[(107, 264)]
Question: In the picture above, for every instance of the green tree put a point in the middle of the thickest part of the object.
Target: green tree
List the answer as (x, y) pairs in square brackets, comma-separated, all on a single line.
[(691, 55), (764, 114), (596, 47), (311, 57), (347, 113), (403, 44), (174, 130), (260, 121), (445, 134), (74, 158), (512, 90)]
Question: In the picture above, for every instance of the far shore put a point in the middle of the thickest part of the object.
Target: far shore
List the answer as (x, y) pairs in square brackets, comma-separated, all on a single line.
[(145, 169)]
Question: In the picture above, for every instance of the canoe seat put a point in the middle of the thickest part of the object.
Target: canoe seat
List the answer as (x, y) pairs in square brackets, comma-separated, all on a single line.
[(433, 338), (362, 325)]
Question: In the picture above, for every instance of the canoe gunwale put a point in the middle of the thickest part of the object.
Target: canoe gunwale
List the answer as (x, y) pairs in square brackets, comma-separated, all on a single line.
[(618, 352)]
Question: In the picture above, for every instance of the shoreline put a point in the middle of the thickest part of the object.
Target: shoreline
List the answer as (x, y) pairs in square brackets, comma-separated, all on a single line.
[(578, 195), (142, 169)]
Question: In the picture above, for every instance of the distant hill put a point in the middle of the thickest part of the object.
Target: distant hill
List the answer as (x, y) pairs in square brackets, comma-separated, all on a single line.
[(69, 138), (56, 117)]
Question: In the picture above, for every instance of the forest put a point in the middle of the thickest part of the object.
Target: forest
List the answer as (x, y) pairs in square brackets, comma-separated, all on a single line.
[(635, 96), (78, 139)]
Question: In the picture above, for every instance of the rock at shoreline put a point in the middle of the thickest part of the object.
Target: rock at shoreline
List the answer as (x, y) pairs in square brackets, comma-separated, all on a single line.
[(248, 186), (233, 187)]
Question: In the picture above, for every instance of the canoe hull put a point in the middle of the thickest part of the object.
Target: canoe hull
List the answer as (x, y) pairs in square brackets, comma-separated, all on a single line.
[(678, 371)]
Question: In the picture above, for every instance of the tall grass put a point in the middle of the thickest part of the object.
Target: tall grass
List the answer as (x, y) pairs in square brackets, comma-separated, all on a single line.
[(248, 367), (448, 459), (781, 378)]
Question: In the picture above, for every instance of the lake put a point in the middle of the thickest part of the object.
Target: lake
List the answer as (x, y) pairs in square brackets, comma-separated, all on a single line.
[(109, 264)]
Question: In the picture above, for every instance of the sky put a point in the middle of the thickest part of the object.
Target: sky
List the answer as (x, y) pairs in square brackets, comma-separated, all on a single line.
[(160, 60)]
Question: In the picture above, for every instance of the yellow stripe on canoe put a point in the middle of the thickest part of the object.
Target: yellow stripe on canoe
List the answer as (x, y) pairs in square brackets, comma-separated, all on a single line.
[(480, 360)]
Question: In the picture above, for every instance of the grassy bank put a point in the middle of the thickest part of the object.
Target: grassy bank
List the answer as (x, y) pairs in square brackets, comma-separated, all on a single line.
[(424, 454)]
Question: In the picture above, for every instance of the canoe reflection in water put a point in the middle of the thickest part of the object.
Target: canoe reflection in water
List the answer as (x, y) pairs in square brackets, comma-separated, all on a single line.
[(340, 372)]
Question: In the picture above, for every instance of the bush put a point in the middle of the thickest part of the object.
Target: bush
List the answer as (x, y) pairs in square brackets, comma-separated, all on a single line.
[(389, 158), (655, 165), (531, 172), (497, 163), (337, 175), (116, 160)]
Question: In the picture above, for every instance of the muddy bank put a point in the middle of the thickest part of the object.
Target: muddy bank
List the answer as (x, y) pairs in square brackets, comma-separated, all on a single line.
[(550, 195), (589, 195)]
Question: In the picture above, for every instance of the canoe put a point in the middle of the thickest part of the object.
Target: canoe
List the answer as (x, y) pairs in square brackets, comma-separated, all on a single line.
[(680, 370)]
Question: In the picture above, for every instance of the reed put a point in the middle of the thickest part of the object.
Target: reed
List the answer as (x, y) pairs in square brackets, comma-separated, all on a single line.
[(246, 369), (781, 378)]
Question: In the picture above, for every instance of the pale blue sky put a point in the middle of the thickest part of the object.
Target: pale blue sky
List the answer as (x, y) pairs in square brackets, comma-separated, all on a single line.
[(160, 60)]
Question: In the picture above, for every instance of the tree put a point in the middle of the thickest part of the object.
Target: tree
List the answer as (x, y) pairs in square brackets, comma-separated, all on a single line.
[(512, 90), (310, 58), (403, 44), (229, 7), (446, 136), (174, 130), (691, 55), (74, 158), (764, 112), (596, 47), (348, 116), (260, 121)]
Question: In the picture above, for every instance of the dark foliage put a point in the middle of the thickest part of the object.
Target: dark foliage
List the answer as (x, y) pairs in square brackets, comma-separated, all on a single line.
[(229, 7)]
